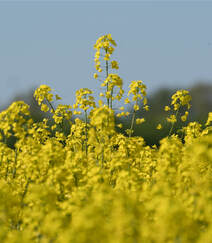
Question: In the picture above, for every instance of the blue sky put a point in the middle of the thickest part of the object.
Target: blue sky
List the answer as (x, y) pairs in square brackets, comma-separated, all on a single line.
[(162, 43)]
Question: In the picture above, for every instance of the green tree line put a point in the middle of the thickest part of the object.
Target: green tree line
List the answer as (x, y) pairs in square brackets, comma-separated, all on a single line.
[(201, 104)]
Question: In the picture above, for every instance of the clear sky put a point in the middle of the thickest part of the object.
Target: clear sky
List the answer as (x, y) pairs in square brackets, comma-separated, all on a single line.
[(159, 42)]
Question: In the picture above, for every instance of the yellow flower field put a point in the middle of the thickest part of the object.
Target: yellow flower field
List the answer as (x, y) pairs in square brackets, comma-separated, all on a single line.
[(98, 185)]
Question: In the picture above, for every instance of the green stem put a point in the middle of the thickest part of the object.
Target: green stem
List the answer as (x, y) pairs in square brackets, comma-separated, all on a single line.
[(132, 121), (107, 73), (25, 192), (61, 126), (15, 163), (2, 156), (173, 123), (86, 133), (51, 105), (111, 99), (7, 169)]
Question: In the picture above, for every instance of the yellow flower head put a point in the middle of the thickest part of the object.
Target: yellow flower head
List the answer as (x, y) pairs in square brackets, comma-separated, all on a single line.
[(159, 126)]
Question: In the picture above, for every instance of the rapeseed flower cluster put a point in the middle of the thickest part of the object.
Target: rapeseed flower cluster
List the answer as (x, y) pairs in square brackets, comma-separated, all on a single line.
[(180, 105), (111, 81), (106, 44), (84, 99), (138, 93), (98, 185), (180, 99)]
